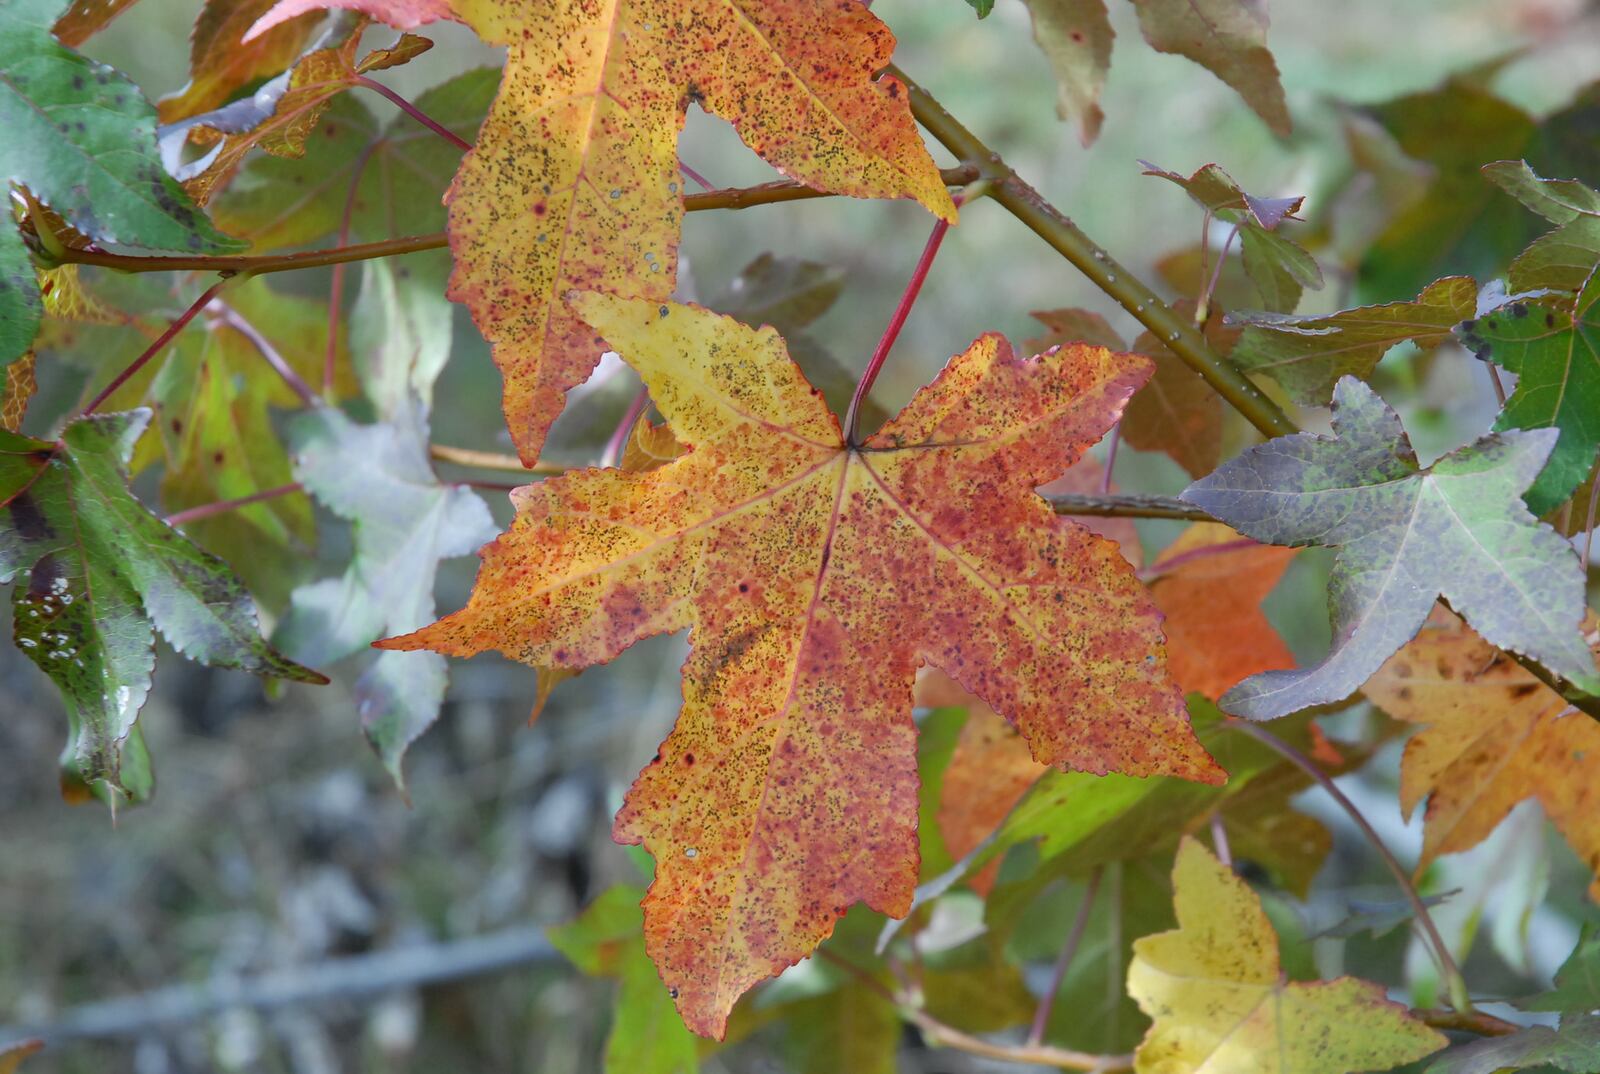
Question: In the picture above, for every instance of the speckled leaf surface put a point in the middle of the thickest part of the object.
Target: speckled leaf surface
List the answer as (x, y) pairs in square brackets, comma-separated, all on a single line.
[(1552, 344), (1308, 355), (574, 181), (1406, 536), (20, 307), (1571, 1047), (1220, 1005), (406, 521), (101, 571), (1492, 736), (82, 138), (814, 579)]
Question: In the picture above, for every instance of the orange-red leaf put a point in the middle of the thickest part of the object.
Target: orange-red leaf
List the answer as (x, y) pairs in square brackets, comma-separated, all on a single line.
[(1493, 736), (574, 182), (814, 578), (220, 64), (1211, 585), (401, 14)]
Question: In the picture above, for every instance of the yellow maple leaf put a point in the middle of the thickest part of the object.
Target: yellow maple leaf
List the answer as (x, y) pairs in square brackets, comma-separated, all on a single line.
[(815, 577), (1493, 736), (574, 181), (1221, 1005)]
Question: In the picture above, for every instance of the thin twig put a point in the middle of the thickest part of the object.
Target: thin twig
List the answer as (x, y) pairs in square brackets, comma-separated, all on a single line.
[(330, 354), (236, 321), (1113, 441), (260, 264), (1202, 308), (220, 507), (1485, 1025), (1125, 505), (1041, 1055), (1046, 221), (1460, 998), (1041, 1014), (1219, 840), (155, 348), (415, 113), (491, 460), (700, 180), (1494, 382)]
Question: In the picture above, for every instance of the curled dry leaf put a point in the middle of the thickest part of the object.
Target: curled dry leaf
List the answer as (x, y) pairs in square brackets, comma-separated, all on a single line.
[(815, 577)]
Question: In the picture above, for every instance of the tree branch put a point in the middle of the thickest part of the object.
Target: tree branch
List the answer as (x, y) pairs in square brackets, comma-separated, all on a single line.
[(259, 264), (490, 460), (1051, 225), (1125, 505)]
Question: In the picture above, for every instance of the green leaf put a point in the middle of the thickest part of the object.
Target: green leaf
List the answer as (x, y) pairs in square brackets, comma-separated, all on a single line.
[(82, 138), (1559, 201), (1463, 226), (1308, 355), (1577, 984), (1571, 1048), (1228, 38), (101, 571), (1075, 36), (850, 1028), (607, 940), (401, 328), (20, 306), (398, 167), (982, 7), (1406, 535), (379, 477), (1552, 343)]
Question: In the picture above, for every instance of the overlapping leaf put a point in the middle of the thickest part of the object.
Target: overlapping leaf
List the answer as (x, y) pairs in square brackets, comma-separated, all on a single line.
[(607, 940), (1552, 343), (1406, 536), (1211, 575), (816, 577), (1075, 36), (406, 521), (103, 575), (1566, 257), (220, 65), (574, 181), (1220, 1004), (1308, 355), (1279, 267), (1493, 735), (82, 139)]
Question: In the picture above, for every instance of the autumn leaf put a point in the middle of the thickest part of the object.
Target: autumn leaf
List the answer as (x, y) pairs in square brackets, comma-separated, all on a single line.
[(1075, 36), (401, 14), (84, 18), (1211, 575), (1492, 736), (1220, 1004), (815, 577), (17, 392), (12, 1055), (103, 576), (1227, 37), (1406, 536), (574, 182), (1308, 355), (1552, 343), (220, 64)]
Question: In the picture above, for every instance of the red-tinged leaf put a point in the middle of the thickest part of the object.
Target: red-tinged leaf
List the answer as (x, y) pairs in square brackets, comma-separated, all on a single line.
[(85, 18), (1087, 477), (814, 578), (574, 182), (220, 65), (401, 14), (1493, 735), (1177, 412), (1212, 576)]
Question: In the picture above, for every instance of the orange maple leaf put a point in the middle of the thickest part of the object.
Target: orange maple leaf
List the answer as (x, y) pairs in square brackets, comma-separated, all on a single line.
[(814, 578), (574, 182), (1211, 584), (1493, 736)]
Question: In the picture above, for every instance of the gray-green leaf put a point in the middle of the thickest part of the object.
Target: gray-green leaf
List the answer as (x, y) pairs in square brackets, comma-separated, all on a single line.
[(1406, 536), (378, 477)]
